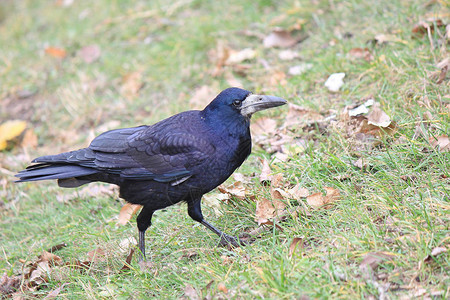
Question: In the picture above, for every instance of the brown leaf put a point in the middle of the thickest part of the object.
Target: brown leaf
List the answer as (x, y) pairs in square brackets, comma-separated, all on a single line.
[(441, 143), (202, 96), (361, 53), (422, 27), (276, 78), (221, 287), (360, 163), (56, 52), (378, 117), (318, 200), (96, 255), (38, 274), (298, 192), (127, 264), (29, 139), (300, 115), (131, 84), (90, 53), (263, 126), (373, 259), (215, 201), (236, 189), (53, 294), (266, 173), (127, 212), (444, 66), (50, 257), (264, 211), (435, 252), (57, 247), (8, 285), (280, 38), (191, 293), (219, 56), (267, 209), (277, 180), (297, 244)]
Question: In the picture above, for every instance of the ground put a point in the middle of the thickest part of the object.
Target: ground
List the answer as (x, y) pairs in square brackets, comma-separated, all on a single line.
[(350, 205)]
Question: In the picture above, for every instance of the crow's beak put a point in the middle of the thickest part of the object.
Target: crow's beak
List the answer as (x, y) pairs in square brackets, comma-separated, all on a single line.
[(254, 103)]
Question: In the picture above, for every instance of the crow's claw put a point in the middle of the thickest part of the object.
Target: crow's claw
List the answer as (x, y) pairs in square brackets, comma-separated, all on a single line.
[(228, 240)]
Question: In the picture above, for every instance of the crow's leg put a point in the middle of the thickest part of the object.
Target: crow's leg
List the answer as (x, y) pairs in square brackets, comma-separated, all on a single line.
[(195, 212), (144, 220)]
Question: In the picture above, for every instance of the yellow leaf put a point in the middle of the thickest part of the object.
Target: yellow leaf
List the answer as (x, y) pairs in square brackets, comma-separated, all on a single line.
[(10, 130), (127, 212)]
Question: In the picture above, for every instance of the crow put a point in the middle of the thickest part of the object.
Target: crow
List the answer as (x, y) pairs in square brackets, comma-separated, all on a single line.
[(177, 159)]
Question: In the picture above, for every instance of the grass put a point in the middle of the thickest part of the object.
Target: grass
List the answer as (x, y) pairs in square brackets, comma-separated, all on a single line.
[(170, 45)]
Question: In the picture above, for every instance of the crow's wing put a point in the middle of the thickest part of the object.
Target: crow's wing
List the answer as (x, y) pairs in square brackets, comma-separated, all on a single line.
[(163, 152)]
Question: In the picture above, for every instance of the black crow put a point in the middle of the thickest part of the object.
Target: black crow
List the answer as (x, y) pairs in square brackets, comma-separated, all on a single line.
[(177, 159)]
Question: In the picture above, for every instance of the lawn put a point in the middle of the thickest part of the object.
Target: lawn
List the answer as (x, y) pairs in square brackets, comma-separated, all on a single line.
[(354, 198)]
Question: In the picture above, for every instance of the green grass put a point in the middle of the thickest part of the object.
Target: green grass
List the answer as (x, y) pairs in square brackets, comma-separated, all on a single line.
[(169, 44)]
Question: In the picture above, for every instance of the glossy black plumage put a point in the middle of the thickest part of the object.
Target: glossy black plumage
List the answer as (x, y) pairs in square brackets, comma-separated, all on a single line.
[(177, 159)]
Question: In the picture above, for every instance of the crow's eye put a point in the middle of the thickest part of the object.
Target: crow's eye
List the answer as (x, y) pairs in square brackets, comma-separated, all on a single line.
[(237, 102)]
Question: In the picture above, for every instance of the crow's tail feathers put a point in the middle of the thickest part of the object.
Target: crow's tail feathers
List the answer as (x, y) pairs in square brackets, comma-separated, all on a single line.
[(65, 173)]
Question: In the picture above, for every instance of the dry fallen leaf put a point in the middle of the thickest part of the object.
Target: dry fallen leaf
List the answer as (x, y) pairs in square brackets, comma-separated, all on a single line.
[(277, 180), (267, 209), (299, 115), (280, 38), (236, 189), (214, 201), (96, 255), (361, 109), (435, 252), (53, 294), (50, 257), (11, 130), (221, 287), (373, 259), (236, 57), (441, 143), (131, 84), (441, 75), (361, 53), (9, 285), (388, 38), (39, 270), (191, 293), (423, 27), (300, 69), (29, 139), (378, 117), (297, 244), (202, 96), (318, 200), (263, 126), (335, 82), (298, 192), (127, 264), (266, 173), (90, 53), (56, 52), (288, 54), (127, 212)]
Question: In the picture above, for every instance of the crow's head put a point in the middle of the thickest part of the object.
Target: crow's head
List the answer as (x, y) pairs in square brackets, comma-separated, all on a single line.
[(241, 103)]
